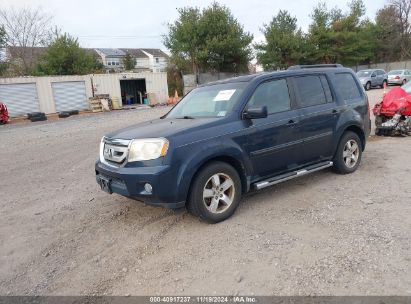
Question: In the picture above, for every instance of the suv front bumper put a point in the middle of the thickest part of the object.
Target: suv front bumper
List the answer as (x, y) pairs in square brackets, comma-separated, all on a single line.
[(130, 182)]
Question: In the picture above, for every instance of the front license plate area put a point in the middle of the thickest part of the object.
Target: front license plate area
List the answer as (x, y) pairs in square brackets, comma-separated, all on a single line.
[(105, 184)]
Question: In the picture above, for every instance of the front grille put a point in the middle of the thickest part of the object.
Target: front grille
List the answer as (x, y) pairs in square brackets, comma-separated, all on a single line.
[(114, 151)]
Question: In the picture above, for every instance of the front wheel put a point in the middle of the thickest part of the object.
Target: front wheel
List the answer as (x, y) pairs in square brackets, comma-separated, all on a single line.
[(215, 193), (348, 155), (368, 86)]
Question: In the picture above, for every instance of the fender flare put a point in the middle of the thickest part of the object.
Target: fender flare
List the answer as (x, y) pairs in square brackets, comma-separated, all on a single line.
[(199, 157)]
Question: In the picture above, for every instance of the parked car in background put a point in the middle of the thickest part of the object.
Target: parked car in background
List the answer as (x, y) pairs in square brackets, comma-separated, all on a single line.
[(227, 138), (372, 78), (399, 76)]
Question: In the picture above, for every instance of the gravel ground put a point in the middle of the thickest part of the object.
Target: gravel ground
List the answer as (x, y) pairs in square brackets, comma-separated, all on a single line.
[(323, 234)]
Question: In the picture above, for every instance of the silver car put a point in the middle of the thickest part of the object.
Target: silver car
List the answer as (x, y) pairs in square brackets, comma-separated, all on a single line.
[(372, 78), (399, 76)]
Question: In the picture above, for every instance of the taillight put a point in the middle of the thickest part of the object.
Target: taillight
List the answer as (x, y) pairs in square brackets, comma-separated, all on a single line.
[(397, 77)]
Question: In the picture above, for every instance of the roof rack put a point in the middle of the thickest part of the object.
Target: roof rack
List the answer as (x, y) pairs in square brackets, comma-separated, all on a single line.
[(315, 66)]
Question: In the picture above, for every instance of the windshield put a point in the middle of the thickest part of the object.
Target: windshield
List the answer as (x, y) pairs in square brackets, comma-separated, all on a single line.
[(364, 73), (210, 101), (397, 72)]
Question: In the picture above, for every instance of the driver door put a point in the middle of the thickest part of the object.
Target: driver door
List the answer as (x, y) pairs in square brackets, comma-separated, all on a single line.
[(274, 142)]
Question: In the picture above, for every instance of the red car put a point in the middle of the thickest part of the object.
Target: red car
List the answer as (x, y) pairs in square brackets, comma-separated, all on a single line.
[(4, 114), (393, 113)]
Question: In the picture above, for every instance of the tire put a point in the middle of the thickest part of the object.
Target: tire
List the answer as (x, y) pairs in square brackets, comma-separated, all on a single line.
[(404, 82), (368, 86), (378, 132), (343, 163), (64, 114), (384, 84), (73, 112), (35, 114), (203, 192), (38, 118)]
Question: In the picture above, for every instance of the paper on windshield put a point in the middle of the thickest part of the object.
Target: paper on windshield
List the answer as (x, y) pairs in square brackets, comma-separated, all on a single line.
[(224, 95)]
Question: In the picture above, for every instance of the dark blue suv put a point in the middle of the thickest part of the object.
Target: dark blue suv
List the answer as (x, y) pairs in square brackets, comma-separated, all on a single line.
[(230, 137)]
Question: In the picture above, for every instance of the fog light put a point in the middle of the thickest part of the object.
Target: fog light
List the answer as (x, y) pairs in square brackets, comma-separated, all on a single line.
[(148, 188)]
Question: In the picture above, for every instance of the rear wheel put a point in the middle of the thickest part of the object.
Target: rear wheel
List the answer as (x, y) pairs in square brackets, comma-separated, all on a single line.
[(348, 155), (215, 193), (368, 86), (404, 81)]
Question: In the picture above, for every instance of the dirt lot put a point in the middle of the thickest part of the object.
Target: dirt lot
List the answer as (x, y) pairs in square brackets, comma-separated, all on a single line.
[(323, 234)]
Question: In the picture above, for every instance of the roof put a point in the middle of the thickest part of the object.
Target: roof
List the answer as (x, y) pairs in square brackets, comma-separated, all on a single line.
[(137, 53), (156, 52), (291, 72), (27, 52), (112, 52)]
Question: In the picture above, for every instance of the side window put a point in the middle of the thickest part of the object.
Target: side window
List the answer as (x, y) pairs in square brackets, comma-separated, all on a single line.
[(326, 88), (381, 72), (310, 91), (347, 87), (374, 74), (273, 94)]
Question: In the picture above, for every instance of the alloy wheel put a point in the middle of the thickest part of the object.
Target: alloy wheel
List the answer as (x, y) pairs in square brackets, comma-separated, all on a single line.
[(218, 193), (351, 153)]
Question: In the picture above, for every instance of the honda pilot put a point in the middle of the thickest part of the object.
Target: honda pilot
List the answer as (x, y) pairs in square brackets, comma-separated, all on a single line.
[(230, 137)]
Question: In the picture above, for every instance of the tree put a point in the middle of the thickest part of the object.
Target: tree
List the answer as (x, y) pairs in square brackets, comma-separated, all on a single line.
[(3, 64), (344, 38), (129, 62), (211, 39), (284, 43), (65, 57), (394, 30), (26, 29)]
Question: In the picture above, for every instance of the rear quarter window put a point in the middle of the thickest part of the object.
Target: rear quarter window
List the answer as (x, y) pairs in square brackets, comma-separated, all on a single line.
[(347, 87)]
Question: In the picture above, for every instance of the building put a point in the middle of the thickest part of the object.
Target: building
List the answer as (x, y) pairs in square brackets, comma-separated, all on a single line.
[(52, 94), (152, 60)]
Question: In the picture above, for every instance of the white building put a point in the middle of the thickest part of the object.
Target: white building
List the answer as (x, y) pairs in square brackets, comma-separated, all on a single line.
[(154, 60), (51, 94)]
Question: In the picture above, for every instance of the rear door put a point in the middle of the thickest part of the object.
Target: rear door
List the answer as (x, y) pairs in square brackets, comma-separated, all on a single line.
[(274, 144), (374, 79), (318, 117)]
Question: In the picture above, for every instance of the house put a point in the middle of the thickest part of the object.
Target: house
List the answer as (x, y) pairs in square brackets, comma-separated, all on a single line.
[(111, 59), (154, 60)]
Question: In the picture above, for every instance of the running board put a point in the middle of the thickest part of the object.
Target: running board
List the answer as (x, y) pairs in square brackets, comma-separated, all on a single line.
[(287, 176)]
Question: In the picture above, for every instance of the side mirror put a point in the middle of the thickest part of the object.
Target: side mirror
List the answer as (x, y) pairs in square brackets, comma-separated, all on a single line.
[(255, 113), (373, 75)]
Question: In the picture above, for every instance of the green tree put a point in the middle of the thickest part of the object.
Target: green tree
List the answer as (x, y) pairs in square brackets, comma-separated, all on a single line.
[(129, 62), (284, 44), (65, 57), (211, 39), (344, 38)]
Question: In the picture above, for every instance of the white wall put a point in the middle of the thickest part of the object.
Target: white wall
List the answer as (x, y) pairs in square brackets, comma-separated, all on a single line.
[(104, 84)]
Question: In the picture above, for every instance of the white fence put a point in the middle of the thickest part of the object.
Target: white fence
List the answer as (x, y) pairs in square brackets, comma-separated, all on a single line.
[(387, 66)]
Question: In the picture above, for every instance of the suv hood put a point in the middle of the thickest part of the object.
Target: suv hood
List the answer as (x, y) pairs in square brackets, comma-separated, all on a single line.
[(167, 127)]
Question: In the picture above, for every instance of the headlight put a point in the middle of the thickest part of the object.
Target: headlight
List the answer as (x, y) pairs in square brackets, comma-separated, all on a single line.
[(146, 149)]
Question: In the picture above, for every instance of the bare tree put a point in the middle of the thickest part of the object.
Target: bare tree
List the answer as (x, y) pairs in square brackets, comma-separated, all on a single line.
[(26, 29), (402, 12)]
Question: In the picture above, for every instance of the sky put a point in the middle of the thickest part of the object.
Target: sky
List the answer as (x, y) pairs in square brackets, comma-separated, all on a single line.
[(140, 24)]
